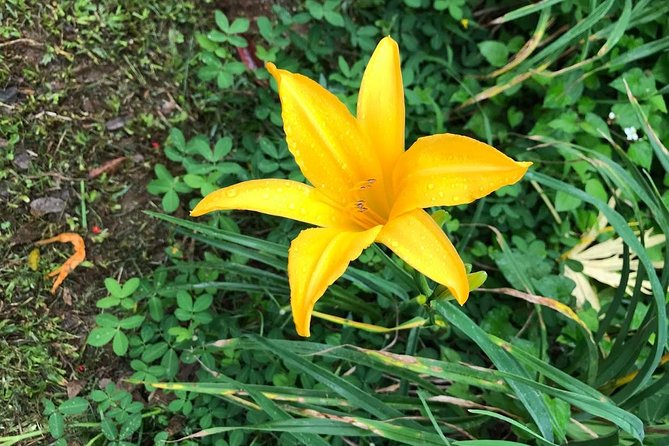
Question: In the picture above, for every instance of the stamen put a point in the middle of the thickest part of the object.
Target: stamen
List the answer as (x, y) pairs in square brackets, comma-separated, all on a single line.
[(360, 205), (367, 184), (364, 213)]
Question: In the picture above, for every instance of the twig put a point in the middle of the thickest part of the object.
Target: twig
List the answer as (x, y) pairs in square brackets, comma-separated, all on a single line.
[(52, 115), (30, 42)]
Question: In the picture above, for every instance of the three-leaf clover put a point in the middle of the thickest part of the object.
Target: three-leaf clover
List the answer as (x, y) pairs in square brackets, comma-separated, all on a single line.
[(193, 310), (119, 295), (169, 187), (109, 328)]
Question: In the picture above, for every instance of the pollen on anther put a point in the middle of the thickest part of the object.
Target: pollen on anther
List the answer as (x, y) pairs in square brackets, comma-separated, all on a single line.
[(360, 206), (367, 184)]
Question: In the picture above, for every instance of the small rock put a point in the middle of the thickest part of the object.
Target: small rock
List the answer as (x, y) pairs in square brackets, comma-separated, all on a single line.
[(8, 95), (46, 205), (116, 123), (168, 107), (23, 160)]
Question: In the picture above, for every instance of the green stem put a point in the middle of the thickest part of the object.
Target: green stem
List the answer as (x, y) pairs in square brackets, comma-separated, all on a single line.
[(82, 193), (9, 441)]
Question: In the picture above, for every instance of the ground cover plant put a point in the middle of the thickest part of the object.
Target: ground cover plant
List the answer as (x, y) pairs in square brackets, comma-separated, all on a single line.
[(562, 340)]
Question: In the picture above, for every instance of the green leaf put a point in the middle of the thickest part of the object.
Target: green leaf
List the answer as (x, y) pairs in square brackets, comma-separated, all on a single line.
[(208, 73), (49, 407), (596, 126), (526, 10), (641, 153), (159, 186), (237, 41), (641, 83), (202, 303), (267, 166), (130, 426), (222, 21), (222, 148), (183, 315), (131, 322), (98, 396), (640, 52), (184, 300), (194, 181), (519, 425), (441, 5), (595, 188), (334, 18), (154, 351), (315, 9), (170, 201), (162, 173), (488, 442), (268, 148), (156, 310), (130, 286), (120, 344), (113, 287), (566, 202), (224, 80), (514, 116), (240, 25), (108, 302), (74, 406), (496, 53), (106, 320), (177, 139), (100, 336), (109, 429), (171, 364), (661, 151), (621, 24), (56, 425), (200, 145)]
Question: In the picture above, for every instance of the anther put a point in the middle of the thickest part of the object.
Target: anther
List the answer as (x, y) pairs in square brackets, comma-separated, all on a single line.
[(360, 205), (367, 184)]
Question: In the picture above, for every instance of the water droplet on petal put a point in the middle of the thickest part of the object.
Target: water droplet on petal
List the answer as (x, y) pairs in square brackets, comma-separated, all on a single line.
[(231, 193)]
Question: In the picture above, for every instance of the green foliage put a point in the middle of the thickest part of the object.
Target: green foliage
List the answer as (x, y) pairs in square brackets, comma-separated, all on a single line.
[(569, 85)]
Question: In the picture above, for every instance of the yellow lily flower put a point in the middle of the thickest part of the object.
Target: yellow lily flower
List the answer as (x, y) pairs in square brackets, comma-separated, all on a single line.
[(364, 186)]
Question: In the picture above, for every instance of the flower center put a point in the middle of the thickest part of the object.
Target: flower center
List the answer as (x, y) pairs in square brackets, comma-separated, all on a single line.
[(364, 208)]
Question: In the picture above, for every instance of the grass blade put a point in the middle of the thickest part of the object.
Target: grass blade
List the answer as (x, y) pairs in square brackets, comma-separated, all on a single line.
[(624, 231), (525, 11), (531, 399)]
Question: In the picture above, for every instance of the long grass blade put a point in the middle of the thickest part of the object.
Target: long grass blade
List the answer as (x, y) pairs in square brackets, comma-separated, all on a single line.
[(623, 229), (531, 399)]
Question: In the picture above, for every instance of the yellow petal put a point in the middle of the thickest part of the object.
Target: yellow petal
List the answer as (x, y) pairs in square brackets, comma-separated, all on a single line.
[(448, 170), (316, 258), (283, 198), (333, 153), (417, 239), (381, 103)]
